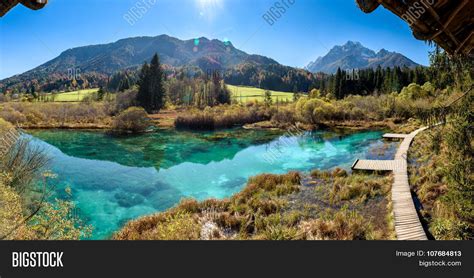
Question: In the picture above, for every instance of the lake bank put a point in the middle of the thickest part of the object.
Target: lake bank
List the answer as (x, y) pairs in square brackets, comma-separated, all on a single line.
[(100, 116)]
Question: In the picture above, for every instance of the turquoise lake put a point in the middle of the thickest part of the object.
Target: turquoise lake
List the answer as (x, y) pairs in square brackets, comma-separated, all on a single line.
[(116, 179)]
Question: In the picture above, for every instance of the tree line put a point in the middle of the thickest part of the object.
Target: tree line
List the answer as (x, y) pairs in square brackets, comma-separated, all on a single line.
[(370, 81), (153, 91)]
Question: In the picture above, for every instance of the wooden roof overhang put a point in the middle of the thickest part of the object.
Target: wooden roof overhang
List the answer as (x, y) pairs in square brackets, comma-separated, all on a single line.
[(7, 5), (448, 23)]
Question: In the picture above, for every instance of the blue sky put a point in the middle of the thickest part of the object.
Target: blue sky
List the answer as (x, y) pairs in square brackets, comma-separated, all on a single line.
[(308, 29)]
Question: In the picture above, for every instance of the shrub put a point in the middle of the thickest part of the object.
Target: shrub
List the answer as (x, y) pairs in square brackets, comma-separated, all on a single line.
[(317, 111), (10, 213), (12, 116), (222, 117), (37, 114), (428, 87), (284, 116), (415, 91), (24, 212), (133, 120), (198, 121), (449, 229), (22, 164), (121, 102), (4, 126), (56, 221)]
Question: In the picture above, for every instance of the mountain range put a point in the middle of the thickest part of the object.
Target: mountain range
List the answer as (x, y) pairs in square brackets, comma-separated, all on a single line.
[(353, 55), (97, 62), (132, 52)]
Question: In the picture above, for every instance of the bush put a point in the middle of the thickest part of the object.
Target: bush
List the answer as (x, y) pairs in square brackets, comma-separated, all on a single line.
[(4, 126), (317, 111), (415, 91), (57, 221), (121, 102), (197, 121), (222, 117), (24, 212), (284, 116), (11, 213), (12, 116), (55, 115), (133, 120), (449, 229), (22, 164)]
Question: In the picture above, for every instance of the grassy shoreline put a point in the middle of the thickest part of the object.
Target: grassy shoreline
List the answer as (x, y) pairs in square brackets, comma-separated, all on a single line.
[(30, 116), (331, 205)]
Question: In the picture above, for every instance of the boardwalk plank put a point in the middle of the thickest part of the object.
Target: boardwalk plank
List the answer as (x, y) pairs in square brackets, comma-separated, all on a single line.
[(394, 136)]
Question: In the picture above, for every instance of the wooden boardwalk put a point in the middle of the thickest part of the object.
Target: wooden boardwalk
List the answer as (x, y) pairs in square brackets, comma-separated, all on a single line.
[(407, 222)]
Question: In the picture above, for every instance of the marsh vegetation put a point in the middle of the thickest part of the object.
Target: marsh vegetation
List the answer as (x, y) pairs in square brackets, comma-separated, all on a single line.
[(278, 207)]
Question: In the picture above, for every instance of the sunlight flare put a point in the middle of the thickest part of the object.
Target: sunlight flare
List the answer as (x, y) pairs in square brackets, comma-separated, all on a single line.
[(209, 8)]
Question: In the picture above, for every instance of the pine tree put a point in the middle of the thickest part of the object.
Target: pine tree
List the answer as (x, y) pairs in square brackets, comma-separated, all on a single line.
[(387, 84), (221, 93), (268, 98), (396, 80), (33, 91), (151, 92), (124, 83), (100, 93), (323, 86), (338, 84), (378, 78)]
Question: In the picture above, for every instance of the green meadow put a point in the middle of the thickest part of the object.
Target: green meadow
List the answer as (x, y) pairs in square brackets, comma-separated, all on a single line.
[(75, 96), (250, 94), (242, 94)]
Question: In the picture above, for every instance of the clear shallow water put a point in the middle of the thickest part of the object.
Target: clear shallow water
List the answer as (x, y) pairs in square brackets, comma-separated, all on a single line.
[(114, 180)]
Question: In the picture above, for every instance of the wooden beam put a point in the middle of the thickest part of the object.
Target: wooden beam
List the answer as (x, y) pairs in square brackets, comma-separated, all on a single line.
[(7, 5), (448, 21), (445, 22), (468, 41), (368, 6), (34, 4)]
